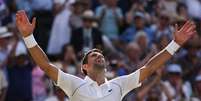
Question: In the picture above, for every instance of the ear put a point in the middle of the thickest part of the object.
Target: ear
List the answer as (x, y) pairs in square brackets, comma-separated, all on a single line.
[(84, 66)]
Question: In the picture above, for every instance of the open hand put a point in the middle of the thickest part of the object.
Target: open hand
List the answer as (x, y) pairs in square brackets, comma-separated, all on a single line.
[(24, 26), (183, 34)]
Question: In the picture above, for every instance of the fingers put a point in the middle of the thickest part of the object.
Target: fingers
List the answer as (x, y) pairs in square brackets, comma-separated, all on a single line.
[(21, 15), (18, 19), (188, 27), (192, 33), (185, 24), (176, 28), (191, 28), (34, 22)]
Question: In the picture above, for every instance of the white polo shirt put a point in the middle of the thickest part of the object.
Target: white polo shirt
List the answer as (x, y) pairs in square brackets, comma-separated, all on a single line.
[(86, 89)]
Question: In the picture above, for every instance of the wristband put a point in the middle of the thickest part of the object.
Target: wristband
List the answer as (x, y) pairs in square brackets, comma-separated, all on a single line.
[(29, 41), (172, 47)]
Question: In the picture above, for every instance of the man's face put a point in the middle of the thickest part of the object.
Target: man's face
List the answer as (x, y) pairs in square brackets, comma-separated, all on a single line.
[(96, 61), (142, 41), (87, 23), (133, 49), (139, 23), (175, 78)]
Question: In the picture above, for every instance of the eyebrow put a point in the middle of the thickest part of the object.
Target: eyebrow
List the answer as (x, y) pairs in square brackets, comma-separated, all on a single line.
[(94, 54)]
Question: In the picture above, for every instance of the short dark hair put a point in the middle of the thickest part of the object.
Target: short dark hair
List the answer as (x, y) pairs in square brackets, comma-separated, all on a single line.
[(85, 58)]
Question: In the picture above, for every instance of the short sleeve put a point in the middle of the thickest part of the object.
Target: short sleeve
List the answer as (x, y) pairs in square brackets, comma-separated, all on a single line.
[(128, 82), (68, 83)]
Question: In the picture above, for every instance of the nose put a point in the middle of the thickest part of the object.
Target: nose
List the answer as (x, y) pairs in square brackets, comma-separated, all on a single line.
[(99, 56)]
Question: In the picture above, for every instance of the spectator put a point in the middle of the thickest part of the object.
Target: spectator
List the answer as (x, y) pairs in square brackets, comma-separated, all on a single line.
[(162, 27), (169, 6), (6, 46), (179, 89), (60, 29), (68, 61), (19, 76), (78, 7), (190, 61), (110, 17), (133, 59), (86, 37), (142, 40), (197, 88), (139, 24), (154, 90), (182, 10)]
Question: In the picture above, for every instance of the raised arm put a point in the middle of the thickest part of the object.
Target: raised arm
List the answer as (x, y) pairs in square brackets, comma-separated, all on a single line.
[(26, 29), (180, 37)]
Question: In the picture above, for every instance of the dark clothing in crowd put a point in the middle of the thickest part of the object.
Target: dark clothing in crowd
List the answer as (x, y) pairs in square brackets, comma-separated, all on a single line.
[(78, 40), (20, 83)]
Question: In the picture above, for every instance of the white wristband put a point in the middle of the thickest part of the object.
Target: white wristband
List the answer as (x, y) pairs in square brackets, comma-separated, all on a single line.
[(29, 41), (172, 47)]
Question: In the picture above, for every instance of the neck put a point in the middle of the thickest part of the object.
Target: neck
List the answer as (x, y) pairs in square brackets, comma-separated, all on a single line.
[(98, 76)]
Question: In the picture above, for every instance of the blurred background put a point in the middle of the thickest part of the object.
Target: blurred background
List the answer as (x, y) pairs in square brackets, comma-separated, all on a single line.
[(129, 32)]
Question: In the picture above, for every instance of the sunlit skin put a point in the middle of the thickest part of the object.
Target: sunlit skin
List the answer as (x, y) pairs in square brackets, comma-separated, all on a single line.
[(96, 66)]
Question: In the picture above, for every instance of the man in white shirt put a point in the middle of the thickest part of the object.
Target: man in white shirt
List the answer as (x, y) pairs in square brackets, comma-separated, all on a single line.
[(95, 86)]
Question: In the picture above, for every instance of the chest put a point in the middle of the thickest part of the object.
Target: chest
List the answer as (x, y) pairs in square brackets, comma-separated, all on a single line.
[(91, 93)]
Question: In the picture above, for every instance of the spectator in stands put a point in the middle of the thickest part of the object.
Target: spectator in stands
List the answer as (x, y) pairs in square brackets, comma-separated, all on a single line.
[(197, 88), (162, 27), (179, 90), (133, 59), (86, 37), (69, 61), (139, 24), (19, 76), (142, 40), (60, 29), (154, 89), (110, 19), (78, 7), (182, 10)]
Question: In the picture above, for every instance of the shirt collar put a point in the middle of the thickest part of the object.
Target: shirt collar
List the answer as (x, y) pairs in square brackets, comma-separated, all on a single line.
[(90, 81)]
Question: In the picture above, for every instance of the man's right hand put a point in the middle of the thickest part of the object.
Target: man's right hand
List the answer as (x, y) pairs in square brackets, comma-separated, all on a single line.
[(24, 26)]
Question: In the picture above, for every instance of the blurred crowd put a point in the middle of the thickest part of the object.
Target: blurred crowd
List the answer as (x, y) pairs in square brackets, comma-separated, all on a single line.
[(129, 32)]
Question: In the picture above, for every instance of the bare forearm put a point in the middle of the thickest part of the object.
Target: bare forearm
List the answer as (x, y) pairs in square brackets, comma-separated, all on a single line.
[(42, 61), (154, 63)]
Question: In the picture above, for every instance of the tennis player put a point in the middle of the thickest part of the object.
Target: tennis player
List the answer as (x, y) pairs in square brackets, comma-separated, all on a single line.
[(95, 86)]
